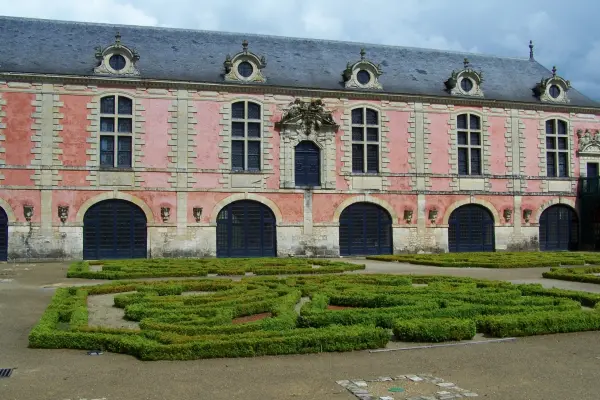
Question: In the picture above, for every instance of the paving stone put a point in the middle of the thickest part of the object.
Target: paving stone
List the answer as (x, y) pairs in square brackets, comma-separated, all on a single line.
[(427, 398), (360, 391), (404, 376), (445, 384), (414, 378), (443, 393), (384, 379), (386, 398), (470, 394), (360, 383), (343, 383)]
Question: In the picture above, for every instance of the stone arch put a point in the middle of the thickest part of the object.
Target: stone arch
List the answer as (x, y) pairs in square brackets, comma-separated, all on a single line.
[(114, 195), (245, 196), (484, 203), (553, 202), (365, 199), (8, 210)]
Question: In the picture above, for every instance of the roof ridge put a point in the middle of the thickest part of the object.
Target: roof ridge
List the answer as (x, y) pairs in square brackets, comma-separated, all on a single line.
[(258, 35)]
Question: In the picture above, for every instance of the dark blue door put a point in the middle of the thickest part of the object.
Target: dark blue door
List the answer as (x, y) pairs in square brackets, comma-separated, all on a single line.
[(114, 229), (471, 228), (559, 229), (246, 229), (308, 164), (3, 235), (365, 229)]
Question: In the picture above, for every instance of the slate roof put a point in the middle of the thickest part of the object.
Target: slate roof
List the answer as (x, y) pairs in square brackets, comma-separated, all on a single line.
[(67, 48)]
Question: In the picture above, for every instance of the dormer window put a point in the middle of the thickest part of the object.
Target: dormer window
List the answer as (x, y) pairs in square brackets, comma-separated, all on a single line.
[(466, 82), (363, 74), (245, 66), (117, 59), (553, 89)]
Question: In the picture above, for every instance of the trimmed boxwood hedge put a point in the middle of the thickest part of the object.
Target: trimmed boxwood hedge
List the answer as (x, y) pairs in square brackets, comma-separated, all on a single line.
[(177, 327), (495, 259), (434, 330), (184, 267), (586, 275)]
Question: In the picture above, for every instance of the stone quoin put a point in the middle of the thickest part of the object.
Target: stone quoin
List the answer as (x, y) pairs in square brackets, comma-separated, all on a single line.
[(126, 141)]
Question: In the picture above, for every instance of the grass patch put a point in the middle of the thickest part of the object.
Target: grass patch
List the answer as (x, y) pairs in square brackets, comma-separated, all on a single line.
[(496, 259), (176, 327), (586, 275), (160, 268)]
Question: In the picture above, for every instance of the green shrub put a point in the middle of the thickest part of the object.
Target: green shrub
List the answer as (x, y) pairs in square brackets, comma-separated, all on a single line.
[(173, 326), (495, 259), (434, 330), (539, 323), (160, 268)]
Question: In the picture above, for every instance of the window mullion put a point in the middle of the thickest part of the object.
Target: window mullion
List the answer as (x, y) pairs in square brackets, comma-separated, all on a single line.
[(364, 138), (115, 137)]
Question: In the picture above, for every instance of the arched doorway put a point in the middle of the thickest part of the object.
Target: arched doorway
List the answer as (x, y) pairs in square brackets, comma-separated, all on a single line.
[(365, 229), (3, 235), (471, 228), (114, 229), (307, 164), (559, 228), (246, 228)]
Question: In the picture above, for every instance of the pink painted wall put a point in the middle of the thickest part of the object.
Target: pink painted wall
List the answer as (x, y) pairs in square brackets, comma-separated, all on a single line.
[(497, 158), (155, 149), (17, 144), (207, 137), (156, 179), (439, 137), (74, 134), (19, 198), (398, 139)]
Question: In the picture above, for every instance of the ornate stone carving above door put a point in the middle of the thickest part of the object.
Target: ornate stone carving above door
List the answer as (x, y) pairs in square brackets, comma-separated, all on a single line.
[(307, 120)]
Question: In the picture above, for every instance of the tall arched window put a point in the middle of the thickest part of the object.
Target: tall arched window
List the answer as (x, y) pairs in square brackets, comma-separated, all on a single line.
[(365, 140), (246, 128), (116, 128), (468, 137), (557, 148)]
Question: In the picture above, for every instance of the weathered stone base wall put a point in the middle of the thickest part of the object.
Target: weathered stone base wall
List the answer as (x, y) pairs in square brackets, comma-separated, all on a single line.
[(66, 243), (307, 223)]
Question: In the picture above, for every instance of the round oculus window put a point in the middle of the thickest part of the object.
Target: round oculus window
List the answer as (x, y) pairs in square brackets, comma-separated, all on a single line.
[(554, 91), (117, 62), (245, 69), (363, 77), (466, 85)]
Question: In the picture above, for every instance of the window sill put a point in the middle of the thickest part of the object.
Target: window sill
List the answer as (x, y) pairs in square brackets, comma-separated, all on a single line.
[(250, 172), (116, 169)]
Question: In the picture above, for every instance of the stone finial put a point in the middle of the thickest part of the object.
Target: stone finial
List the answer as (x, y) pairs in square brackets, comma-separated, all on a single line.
[(245, 46), (363, 53), (531, 50), (466, 62), (118, 38), (554, 71)]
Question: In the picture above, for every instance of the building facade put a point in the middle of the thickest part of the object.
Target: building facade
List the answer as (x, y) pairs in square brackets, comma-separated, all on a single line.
[(175, 143)]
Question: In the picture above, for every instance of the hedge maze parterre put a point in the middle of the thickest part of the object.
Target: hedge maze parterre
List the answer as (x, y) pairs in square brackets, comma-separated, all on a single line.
[(585, 275), (496, 259), (160, 268), (345, 312)]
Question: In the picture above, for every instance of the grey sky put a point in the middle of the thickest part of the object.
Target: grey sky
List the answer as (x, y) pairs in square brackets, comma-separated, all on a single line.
[(564, 34)]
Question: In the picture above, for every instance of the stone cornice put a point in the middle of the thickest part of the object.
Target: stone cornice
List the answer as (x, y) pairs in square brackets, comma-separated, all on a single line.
[(291, 91)]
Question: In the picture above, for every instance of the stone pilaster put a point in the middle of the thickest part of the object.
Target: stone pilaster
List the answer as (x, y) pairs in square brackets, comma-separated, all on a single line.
[(94, 140), (139, 136), (542, 151), (486, 142), (346, 138), (2, 135), (426, 150), (384, 148), (417, 123), (453, 152), (225, 141), (45, 127)]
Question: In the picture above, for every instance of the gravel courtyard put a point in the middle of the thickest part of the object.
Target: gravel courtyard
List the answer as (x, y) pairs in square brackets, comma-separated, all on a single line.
[(556, 366)]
